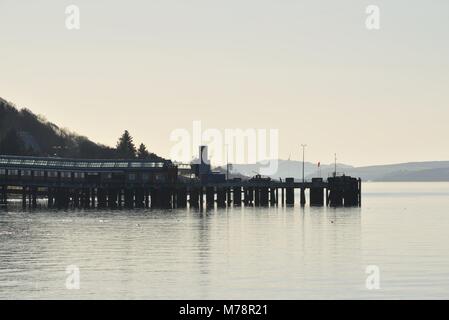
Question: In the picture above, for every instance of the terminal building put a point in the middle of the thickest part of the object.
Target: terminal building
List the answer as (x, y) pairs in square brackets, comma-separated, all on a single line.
[(17, 171), (132, 183)]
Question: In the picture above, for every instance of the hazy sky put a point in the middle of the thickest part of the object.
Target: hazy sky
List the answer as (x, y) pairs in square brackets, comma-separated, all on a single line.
[(308, 68)]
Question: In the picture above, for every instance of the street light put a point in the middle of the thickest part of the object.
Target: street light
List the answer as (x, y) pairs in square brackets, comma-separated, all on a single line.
[(303, 152), (335, 164), (227, 161)]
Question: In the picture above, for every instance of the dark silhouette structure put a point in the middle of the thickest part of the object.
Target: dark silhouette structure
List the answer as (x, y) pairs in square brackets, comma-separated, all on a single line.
[(46, 162), (137, 183), (84, 183)]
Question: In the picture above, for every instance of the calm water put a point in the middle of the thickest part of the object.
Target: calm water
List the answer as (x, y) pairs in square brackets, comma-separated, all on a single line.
[(249, 253)]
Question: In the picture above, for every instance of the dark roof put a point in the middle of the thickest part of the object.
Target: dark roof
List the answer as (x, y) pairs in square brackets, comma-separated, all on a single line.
[(80, 164)]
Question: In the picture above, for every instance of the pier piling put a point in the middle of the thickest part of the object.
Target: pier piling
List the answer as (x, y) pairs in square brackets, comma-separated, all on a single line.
[(237, 196), (289, 192)]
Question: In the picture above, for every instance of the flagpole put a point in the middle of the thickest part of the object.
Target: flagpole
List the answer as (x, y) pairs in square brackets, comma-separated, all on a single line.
[(319, 169), (303, 157)]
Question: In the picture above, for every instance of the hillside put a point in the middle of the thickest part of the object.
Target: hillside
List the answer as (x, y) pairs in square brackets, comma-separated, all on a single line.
[(24, 133), (411, 171), (289, 168)]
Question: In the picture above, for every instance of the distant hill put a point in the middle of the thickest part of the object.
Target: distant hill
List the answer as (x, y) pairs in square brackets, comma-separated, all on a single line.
[(412, 171), (439, 174), (24, 133), (289, 168)]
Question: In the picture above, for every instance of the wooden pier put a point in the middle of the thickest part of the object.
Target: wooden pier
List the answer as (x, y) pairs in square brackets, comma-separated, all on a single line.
[(69, 183)]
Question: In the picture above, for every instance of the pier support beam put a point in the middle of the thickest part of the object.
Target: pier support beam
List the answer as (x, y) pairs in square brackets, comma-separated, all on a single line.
[(194, 197), (86, 198), (181, 198), (165, 197), (101, 198), (76, 198), (273, 197), (303, 197), (93, 199), (221, 197), (335, 198), (155, 200), (201, 198), (351, 192), (336, 189), (210, 196), (282, 197), (129, 198), (24, 197), (360, 191), (33, 197), (316, 197), (139, 198), (290, 192), (249, 196), (237, 196), (112, 198), (344, 191), (257, 197), (264, 196), (4, 195), (62, 198), (147, 198), (120, 198)]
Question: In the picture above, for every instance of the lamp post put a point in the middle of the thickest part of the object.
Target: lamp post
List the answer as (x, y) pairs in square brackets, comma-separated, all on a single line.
[(227, 162), (303, 157), (335, 164)]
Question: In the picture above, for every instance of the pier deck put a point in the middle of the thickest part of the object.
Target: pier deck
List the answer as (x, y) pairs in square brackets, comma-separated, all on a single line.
[(67, 183)]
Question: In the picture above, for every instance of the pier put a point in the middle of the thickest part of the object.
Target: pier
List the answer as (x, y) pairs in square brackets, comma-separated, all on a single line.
[(75, 183)]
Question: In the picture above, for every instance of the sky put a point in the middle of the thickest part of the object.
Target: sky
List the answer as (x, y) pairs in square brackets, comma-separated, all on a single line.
[(309, 69)]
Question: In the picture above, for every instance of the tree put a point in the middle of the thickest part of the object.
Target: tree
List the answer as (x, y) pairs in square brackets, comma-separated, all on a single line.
[(125, 146), (12, 144), (142, 152)]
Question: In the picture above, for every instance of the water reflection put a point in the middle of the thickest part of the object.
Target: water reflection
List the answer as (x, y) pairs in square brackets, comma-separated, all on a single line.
[(237, 252)]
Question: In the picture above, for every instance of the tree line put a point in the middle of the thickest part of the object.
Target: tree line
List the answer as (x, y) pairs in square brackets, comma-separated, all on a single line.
[(13, 144), (127, 150), (23, 133)]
